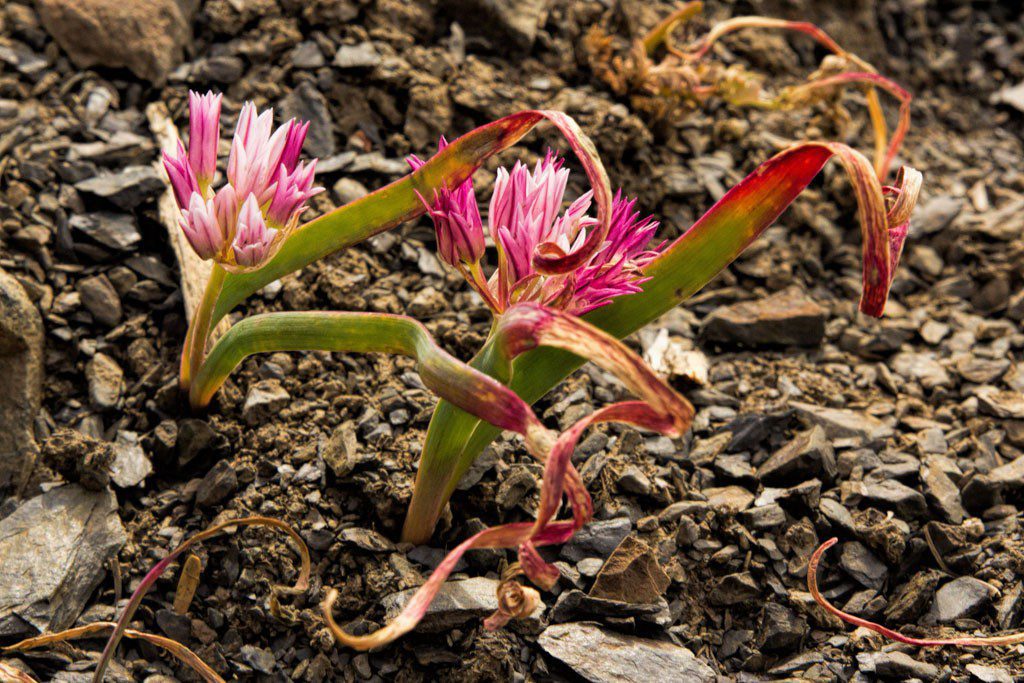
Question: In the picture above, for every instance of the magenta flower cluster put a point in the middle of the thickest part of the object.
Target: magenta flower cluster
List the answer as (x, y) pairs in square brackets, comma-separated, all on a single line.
[(241, 224), (526, 210)]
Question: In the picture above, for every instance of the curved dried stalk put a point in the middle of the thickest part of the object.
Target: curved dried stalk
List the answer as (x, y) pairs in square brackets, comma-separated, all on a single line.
[(182, 653), (812, 586), (301, 584)]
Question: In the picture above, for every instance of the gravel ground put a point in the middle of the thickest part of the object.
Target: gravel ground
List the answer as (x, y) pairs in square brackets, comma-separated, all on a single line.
[(904, 437)]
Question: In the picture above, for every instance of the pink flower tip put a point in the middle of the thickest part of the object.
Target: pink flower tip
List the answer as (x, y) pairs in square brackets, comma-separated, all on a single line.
[(253, 239), (204, 134)]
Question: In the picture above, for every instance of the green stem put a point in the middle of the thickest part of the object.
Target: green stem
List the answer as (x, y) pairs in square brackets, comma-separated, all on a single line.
[(199, 331)]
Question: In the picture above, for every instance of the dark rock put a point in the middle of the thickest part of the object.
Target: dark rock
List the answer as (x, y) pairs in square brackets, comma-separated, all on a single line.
[(601, 656), (787, 318), (193, 438), (633, 480), (126, 188), (260, 659), (21, 379), (961, 597), (306, 103), (781, 628), (942, 493), (860, 563), (101, 299), (912, 598), (54, 551), (631, 574), (892, 495), (504, 20), (937, 213), (808, 455), (597, 539), (79, 458), (264, 400), (219, 483), (176, 626), (115, 230), (733, 589), (145, 37)]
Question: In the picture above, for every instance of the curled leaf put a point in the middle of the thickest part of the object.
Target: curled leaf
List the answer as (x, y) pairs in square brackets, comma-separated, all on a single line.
[(301, 584), (182, 653), (812, 586)]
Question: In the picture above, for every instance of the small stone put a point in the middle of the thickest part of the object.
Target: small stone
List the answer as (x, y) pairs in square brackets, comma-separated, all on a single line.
[(127, 188), (348, 190), (923, 367), (896, 665), (130, 466), (101, 299), (839, 423), (361, 56), (175, 626), (860, 563), (960, 598), (597, 539), (787, 318), (341, 452), (505, 21), (989, 674), (892, 495), (265, 399), (633, 480), (457, 603), (781, 628), (601, 656), (427, 302), (306, 103), (808, 455), (729, 499), (260, 659), (307, 55), (1012, 95), (733, 589), (943, 493), (118, 231), (219, 483), (631, 574), (193, 438), (106, 381), (1001, 404), (366, 539), (937, 213)]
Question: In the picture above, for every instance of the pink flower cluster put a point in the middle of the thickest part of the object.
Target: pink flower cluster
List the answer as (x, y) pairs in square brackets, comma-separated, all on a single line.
[(241, 224), (525, 211)]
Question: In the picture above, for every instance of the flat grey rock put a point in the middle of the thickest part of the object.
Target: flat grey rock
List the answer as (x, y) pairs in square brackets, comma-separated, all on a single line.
[(54, 551), (457, 603), (601, 656)]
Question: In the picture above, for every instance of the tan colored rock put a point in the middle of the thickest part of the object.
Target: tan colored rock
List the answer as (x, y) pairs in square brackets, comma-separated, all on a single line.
[(21, 378), (632, 574), (144, 36)]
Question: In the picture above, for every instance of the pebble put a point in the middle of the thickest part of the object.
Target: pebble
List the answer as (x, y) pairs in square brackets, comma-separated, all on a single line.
[(219, 483), (118, 231), (840, 423), (896, 665), (106, 381), (361, 56), (787, 318), (633, 480), (860, 563), (265, 399), (347, 190), (960, 598), (126, 188), (809, 454), (597, 539), (101, 299), (306, 103)]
